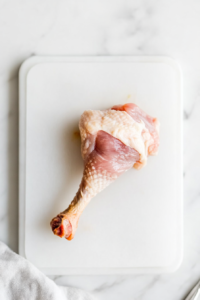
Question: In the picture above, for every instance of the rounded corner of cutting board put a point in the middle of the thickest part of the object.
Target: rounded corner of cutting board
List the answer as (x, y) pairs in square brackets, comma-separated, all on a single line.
[(172, 63), (25, 66), (176, 265), (28, 65)]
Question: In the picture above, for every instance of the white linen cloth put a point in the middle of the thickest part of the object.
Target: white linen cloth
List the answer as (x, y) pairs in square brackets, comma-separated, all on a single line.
[(20, 280)]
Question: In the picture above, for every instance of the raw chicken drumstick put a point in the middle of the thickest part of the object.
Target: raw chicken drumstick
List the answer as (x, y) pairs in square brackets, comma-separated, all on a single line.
[(112, 141)]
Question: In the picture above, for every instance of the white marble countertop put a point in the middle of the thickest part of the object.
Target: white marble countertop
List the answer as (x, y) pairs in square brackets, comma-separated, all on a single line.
[(100, 27)]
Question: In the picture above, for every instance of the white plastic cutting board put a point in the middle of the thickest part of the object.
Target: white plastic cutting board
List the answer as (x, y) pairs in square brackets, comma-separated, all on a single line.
[(134, 225)]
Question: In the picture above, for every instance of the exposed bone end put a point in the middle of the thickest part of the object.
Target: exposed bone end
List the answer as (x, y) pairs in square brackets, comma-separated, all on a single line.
[(62, 227)]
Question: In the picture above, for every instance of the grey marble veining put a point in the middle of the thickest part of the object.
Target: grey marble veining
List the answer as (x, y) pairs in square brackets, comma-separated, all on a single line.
[(100, 27)]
